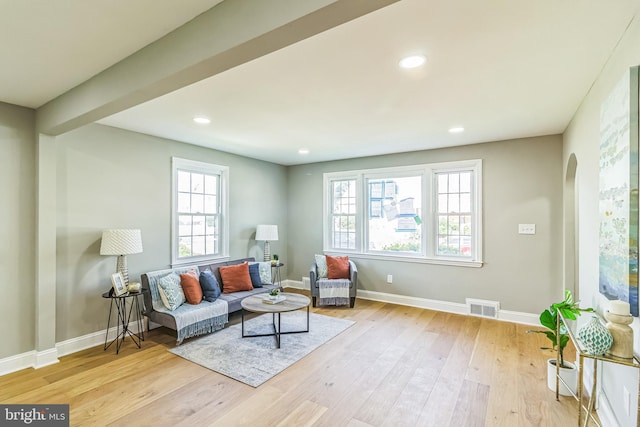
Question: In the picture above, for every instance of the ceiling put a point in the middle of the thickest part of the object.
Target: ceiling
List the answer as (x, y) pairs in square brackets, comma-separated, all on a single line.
[(501, 69)]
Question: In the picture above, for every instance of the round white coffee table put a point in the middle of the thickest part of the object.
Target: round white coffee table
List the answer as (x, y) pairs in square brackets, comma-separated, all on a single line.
[(292, 302)]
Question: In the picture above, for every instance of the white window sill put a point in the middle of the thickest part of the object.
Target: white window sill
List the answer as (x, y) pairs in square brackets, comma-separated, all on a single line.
[(411, 259), (199, 261)]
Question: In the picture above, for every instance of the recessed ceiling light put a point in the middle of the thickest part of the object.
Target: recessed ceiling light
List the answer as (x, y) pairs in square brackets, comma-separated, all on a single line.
[(201, 120), (412, 61), (456, 129), (303, 151)]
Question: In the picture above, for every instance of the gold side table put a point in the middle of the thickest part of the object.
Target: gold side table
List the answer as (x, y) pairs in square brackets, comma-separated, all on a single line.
[(572, 328)]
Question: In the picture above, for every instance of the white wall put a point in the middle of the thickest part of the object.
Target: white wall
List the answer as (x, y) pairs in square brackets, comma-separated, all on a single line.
[(522, 183), (112, 178), (17, 232), (582, 138)]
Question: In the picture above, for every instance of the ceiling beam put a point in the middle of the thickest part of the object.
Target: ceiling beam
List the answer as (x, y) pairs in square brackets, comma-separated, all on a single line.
[(229, 34)]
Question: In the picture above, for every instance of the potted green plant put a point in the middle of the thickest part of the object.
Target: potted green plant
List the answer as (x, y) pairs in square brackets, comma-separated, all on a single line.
[(275, 259), (559, 339), (274, 292)]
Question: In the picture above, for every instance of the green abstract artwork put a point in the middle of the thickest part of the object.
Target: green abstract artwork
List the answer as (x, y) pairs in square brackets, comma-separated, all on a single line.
[(618, 251)]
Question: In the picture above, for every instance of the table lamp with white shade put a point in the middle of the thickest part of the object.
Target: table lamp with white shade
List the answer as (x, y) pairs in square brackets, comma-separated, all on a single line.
[(267, 233), (121, 242)]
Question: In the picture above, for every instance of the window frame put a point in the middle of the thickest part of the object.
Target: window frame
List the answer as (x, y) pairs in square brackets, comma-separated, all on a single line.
[(327, 208), (332, 215), (390, 174), (222, 172), (428, 253)]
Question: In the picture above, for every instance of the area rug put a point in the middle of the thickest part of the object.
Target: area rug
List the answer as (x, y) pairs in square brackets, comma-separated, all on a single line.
[(255, 360)]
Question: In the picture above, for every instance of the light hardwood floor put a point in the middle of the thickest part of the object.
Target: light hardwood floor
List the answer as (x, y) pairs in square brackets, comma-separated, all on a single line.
[(397, 366)]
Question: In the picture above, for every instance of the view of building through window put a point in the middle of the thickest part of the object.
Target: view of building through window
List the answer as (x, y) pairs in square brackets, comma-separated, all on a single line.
[(395, 214)]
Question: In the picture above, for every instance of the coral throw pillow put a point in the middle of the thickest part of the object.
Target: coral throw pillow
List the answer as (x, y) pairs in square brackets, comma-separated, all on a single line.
[(190, 283), (337, 267), (235, 278)]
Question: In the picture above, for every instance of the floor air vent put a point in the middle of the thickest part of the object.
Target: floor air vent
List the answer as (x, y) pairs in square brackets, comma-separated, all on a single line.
[(483, 308)]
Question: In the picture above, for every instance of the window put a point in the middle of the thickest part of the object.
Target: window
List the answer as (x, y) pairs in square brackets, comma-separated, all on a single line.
[(454, 213), (395, 211), (199, 211), (421, 212), (343, 214)]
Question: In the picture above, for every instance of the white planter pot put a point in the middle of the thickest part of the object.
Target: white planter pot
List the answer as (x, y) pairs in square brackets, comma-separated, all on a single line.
[(569, 375)]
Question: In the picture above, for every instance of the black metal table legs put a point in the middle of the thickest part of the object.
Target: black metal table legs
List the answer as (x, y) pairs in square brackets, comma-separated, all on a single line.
[(123, 322)]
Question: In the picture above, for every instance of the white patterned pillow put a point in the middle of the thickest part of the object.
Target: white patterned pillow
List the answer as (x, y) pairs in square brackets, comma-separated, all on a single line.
[(265, 273), (321, 263), (171, 292)]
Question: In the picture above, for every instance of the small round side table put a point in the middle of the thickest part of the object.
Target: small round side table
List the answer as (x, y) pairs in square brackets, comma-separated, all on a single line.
[(276, 278), (123, 322)]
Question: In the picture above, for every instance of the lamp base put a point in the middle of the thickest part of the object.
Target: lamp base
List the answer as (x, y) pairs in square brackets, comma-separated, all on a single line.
[(121, 267), (267, 252)]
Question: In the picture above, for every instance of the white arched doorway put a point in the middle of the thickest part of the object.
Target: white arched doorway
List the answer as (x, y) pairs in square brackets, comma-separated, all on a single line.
[(571, 260)]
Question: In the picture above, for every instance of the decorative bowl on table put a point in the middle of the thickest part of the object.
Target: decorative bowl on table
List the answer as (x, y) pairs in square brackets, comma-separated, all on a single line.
[(134, 287)]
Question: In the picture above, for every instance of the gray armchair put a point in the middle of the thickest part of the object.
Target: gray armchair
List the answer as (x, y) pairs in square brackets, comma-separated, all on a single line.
[(353, 283)]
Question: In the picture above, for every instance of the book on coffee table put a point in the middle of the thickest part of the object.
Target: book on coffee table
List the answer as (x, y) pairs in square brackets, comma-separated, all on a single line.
[(273, 300)]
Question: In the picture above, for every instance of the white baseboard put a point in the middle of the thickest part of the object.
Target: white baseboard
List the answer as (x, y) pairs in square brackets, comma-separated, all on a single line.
[(519, 317), (295, 284), (29, 359), (449, 307), (36, 360), (45, 358), (90, 340), (446, 306), (17, 362), (82, 343)]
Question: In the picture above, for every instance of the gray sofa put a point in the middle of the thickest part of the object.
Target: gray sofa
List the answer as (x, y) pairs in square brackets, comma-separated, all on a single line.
[(192, 320)]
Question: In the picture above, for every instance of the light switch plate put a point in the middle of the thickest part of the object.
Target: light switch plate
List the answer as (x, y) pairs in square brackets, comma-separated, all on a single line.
[(526, 229)]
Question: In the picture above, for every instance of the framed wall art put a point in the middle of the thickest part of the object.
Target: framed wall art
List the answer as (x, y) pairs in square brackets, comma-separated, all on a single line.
[(618, 195)]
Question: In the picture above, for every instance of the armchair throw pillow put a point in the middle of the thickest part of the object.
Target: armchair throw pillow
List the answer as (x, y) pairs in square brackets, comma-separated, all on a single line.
[(337, 267), (321, 265)]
